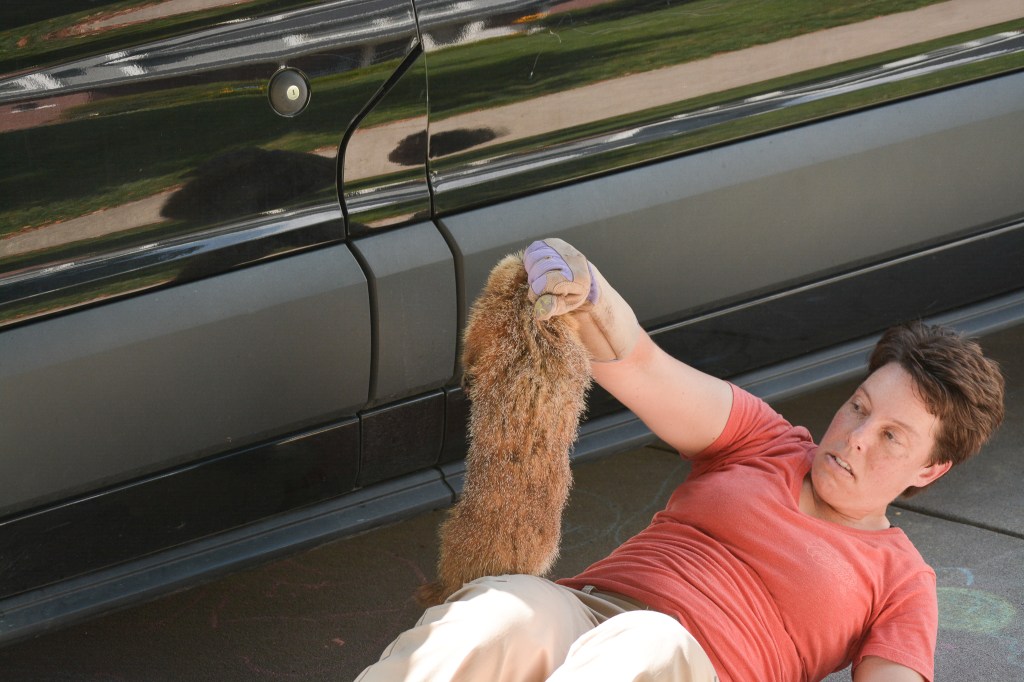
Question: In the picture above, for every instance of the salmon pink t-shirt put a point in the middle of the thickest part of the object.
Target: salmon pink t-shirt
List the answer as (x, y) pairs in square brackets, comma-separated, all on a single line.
[(772, 593)]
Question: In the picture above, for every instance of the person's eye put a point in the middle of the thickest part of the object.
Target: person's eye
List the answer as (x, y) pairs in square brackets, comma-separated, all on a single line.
[(890, 436)]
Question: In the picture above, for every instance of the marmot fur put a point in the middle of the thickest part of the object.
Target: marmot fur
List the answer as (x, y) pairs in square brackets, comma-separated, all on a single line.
[(526, 382)]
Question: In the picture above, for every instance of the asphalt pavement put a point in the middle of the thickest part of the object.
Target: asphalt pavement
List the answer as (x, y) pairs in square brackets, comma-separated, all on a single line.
[(327, 613)]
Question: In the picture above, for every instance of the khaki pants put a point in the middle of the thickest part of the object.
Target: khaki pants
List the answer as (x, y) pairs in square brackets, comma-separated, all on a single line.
[(518, 628)]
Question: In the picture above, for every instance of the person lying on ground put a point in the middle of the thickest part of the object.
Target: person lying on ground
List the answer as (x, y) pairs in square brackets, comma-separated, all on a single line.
[(774, 560)]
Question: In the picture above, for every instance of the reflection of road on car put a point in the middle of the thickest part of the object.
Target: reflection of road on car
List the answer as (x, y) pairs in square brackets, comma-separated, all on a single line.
[(230, 315)]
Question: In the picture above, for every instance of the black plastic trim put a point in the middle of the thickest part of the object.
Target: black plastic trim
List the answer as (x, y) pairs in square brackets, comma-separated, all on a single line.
[(74, 600), (181, 506), (401, 438), (849, 360), (745, 337)]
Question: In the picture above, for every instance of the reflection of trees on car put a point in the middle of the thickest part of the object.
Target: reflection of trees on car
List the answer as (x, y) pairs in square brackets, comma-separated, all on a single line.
[(247, 182)]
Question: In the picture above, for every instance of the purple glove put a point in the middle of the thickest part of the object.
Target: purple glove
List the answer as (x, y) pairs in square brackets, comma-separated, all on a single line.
[(560, 278), (562, 281)]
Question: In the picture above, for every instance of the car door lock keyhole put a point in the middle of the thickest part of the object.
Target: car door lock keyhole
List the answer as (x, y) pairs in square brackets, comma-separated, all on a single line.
[(289, 92)]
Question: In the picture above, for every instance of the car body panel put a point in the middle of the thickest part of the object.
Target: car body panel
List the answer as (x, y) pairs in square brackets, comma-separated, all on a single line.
[(415, 311), (384, 169), (744, 220), (592, 87), (146, 383), (137, 519), (228, 332), (142, 146)]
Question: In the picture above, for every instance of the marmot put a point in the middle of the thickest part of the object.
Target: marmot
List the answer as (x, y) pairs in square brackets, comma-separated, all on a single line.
[(527, 383)]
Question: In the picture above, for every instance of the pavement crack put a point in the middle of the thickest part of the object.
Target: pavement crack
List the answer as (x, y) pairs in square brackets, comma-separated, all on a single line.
[(981, 525)]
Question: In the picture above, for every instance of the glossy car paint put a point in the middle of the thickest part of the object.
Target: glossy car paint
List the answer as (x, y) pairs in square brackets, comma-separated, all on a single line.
[(143, 384), (746, 219), (227, 333), (140, 128), (590, 87)]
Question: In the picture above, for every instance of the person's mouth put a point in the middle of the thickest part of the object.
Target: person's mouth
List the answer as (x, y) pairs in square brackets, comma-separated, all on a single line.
[(841, 463)]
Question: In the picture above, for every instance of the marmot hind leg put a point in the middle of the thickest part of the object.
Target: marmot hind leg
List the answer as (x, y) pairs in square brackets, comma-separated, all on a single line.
[(527, 383)]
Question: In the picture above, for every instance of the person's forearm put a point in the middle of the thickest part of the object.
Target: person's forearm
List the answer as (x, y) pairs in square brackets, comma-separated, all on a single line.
[(683, 406)]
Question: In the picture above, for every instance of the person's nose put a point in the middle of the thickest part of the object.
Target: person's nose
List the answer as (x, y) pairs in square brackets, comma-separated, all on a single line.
[(857, 437)]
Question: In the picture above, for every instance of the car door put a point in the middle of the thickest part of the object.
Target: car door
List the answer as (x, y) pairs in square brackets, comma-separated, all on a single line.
[(196, 334)]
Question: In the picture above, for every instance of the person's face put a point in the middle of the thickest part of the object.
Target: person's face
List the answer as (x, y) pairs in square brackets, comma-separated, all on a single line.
[(878, 444)]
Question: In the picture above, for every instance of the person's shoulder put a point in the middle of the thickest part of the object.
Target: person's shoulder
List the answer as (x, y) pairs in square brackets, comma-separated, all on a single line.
[(755, 429), (755, 417), (905, 564)]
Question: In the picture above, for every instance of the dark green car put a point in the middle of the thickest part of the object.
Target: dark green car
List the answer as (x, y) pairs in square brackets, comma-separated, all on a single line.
[(238, 239)]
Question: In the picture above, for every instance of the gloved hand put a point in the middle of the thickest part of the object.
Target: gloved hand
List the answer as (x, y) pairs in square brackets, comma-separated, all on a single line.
[(563, 281)]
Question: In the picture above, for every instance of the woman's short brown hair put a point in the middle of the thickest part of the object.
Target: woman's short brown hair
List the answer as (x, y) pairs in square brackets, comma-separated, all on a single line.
[(958, 384)]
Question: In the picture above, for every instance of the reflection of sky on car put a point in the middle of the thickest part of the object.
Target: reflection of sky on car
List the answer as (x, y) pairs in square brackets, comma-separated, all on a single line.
[(146, 11), (257, 40)]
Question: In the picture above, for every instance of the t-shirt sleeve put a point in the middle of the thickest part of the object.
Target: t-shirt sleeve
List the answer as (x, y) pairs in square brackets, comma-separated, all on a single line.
[(753, 429), (905, 630)]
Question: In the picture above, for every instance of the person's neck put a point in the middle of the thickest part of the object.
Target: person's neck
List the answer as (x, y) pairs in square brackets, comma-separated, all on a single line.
[(812, 505)]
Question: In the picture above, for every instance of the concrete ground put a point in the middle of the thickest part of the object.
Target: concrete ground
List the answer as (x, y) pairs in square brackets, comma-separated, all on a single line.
[(327, 613)]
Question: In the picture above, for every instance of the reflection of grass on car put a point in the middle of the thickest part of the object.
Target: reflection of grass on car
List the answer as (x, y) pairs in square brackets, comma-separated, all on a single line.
[(745, 126), (59, 37), (808, 111), (155, 138), (616, 39), (160, 135)]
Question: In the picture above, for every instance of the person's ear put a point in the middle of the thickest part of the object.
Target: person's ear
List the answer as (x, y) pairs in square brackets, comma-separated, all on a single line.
[(931, 473)]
